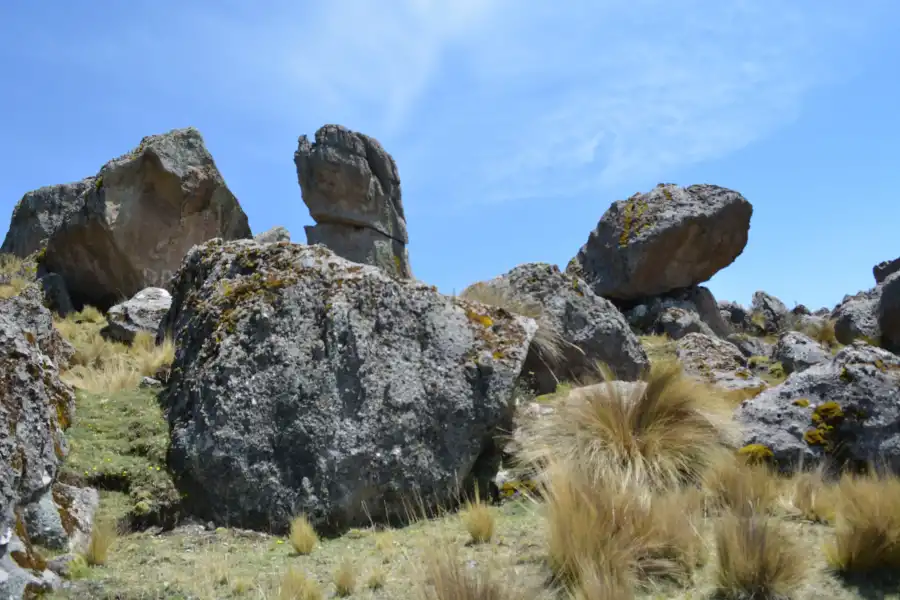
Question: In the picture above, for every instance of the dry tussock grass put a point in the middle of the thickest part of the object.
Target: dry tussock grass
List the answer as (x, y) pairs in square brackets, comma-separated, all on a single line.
[(103, 536), (810, 496), (295, 585), (447, 578), (345, 579), (867, 524), (731, 483), (660, 433), (303, 536), (478, 520), (756, 559)]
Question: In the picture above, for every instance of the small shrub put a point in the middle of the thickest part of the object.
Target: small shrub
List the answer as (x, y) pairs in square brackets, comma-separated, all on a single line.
[(757, 559), (345, 579), (303, 536), (103, 536), (295, 585)]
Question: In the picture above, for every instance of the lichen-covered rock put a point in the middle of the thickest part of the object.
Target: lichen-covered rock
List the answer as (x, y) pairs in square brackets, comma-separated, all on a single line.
[(666, 239), (885, 269), (303, 382), (845, 409), (589, 327), (716, 361), (128, 227), (889, 313), (796, 352), (768, 312), (143, 312), (62, 518), (23, 575), (28, 312), (273, 235), (677, 323), (750, 345), (695, 311), (856, 317), (352, 188)]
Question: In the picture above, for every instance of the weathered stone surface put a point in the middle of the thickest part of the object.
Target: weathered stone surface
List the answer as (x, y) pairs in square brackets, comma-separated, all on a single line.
[(55, 295), (691, 310), (856, 317), (768, 312), (666, 239), (304, 382), (40, 213), (589, 327), (796, 352), (273, 235), (143, 312), (749, 345), (736, 316), (32, 317), (352, 188), (62, 518), (889, 313), (677, 323), (885, 269), (715, 361), (847, 408), (128, 228), (18, 581)]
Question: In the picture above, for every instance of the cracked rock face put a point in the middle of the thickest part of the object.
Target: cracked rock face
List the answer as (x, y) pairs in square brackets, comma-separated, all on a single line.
[(352, 189)]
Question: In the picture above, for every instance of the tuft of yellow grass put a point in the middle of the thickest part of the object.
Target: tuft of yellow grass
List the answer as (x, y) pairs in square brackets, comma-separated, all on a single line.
[(103, 536), (867, 524), (809, 495), (446, 578), (345, 579), (757, 559), (743, 487), (295, 585), (377, 579), (599, 583), (659, 433), (303, 536), (478, 520)]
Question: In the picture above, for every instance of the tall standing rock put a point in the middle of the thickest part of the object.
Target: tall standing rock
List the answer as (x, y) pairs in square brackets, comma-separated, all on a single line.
[(666, 239), (127, 228), (889, 313), (885, 269), (352, 189)]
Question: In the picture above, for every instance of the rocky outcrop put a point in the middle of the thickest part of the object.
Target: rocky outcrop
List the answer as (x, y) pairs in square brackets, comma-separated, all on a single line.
[(35, 408), (736, 316), (352, 189), (62, 518), (749, 345), (578, 329), (691, 310), (274, 235), (143, 312), (127, 228), (768, 312), (846, 410), (666, 239), (856, 317), (889, 313), (885, 269), (304, 382), (29, 314), (796, 352), (716, 361)]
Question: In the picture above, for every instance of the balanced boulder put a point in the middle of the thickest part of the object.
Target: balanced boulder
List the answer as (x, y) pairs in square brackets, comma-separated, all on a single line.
[(306, 383), (352, 189), (666, 239)]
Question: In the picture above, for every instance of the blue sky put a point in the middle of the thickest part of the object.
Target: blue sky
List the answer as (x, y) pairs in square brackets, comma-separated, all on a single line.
[(514, 123)]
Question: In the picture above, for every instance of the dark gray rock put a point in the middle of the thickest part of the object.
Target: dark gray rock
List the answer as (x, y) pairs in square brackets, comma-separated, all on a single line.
[(56, 296), (856, 317), (32, 317), (768, 312), (696, 311), (303, 382), (666, 239), (886, 268), (736, 316), (889, 313), (129, 227), (844, 409), (676, 323), (43, 523), (796, 352), (716, 361), (142, 313), (352, 188), (273, 236), (588, 328), (40, 213)]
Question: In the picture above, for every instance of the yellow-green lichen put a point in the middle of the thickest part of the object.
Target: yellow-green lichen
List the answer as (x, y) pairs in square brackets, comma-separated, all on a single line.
[(484, 320), (631, 215), (801, 402), (756, 453)]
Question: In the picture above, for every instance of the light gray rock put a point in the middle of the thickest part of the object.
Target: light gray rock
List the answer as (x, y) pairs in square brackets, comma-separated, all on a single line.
[(768, 312), (43, 523), (40, 213), (889, 313), (716, 361), (28, 313), (676, 323), (273, 236), (750, 346), (26, 580), (885, 269), (844, 409), (128, 227), (667, 239), (142, 313), (796, 352), (856, 317), (589, 328), (352, 188), (303, 382)]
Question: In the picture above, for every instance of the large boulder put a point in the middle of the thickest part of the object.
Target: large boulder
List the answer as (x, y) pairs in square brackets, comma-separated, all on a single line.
[(666, 239), (690, 310), (586, 328), (35, 408), (797, 351), (885, 269), (304, 382), (127, 228), (351, 186), (716, 362), (142, 313), (889, 313), (768, 313), (27, 311), (845, 409), (856, 317)]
